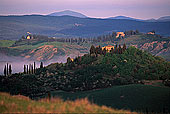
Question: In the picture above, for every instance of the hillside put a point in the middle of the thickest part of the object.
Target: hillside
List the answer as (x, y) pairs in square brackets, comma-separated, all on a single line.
[(13, 27), (45, 48), (159, 46), (94, 72), (22, 104), (124, 17), (68, 13), (88, 72), (165, 18)]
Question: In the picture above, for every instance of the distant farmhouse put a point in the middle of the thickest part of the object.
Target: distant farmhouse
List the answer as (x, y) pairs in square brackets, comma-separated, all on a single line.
[(29, 36), (152, 33), (108, 48), (120, 34)]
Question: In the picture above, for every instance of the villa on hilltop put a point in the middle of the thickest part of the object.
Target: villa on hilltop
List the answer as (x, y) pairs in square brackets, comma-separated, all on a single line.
[(122, 34), (29, 36), (152, 33), (108, 48)]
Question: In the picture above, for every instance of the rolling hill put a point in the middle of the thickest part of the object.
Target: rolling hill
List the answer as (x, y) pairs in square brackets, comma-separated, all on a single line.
[(124, 17), (68, 13), (13, 27), (96, 75), (165, 18)]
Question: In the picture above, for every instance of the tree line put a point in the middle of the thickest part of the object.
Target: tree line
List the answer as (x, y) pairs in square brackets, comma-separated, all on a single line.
[(94, 52), (7, 70), (116, 50), (31, 68), (28, 69), (102, 38)]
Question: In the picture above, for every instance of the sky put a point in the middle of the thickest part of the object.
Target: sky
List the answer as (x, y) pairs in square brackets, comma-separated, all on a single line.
[(142, 9)]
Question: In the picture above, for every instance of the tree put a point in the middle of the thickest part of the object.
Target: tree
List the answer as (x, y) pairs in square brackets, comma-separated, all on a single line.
[(137, 32), (7, 69), (41, 65), (69, 60), (23, 37), (5, 73), (104, 51), (153, 31), (112, 51), (124, 47), (115, 50), (25, 69), (99, 50), (29, 68), (92, 50), (70, 63), (10, 69), (34, 68)]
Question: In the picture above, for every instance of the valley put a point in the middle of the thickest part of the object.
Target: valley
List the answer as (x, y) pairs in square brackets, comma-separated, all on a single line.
[(135, 68)]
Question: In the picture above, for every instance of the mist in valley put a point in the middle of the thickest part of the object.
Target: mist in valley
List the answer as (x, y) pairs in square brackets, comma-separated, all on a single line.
[(19, 62)]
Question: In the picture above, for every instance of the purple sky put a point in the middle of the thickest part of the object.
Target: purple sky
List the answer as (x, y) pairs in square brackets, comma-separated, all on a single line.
[(143, 9)]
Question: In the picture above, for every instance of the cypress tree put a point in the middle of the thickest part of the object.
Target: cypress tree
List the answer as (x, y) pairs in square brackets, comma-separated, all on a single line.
[(5, 70), (115, 50), (34, 67), (68, 60), (112, 51), (29, 69), (25, 69), (104, 51), (100, 50), (119, 50), (41, 65), (124, 47), (92, 50), (10, 69)]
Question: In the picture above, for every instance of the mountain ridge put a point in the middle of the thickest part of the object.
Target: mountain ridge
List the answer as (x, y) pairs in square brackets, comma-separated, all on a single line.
[(13, 27)]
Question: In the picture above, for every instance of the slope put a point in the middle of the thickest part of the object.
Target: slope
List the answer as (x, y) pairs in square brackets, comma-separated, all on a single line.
[(133, 97), (22, 104)]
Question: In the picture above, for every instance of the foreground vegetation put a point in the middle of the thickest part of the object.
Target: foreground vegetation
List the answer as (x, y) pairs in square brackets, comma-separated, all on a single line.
[(135, 97), (22, 104)]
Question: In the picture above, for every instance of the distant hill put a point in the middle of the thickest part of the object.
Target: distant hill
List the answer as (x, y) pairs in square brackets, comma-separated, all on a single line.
[(124, 17), (13, 27), (165, 18), (161, 19), (68, 13)]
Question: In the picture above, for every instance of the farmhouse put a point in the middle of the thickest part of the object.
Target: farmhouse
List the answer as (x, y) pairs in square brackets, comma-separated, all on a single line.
[(152, 33), (108, 48), (29, 36), (120, 34)]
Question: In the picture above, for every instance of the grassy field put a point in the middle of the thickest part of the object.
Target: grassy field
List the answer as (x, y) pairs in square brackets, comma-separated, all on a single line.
[(22, 104), (6, 43), (140, 98)]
